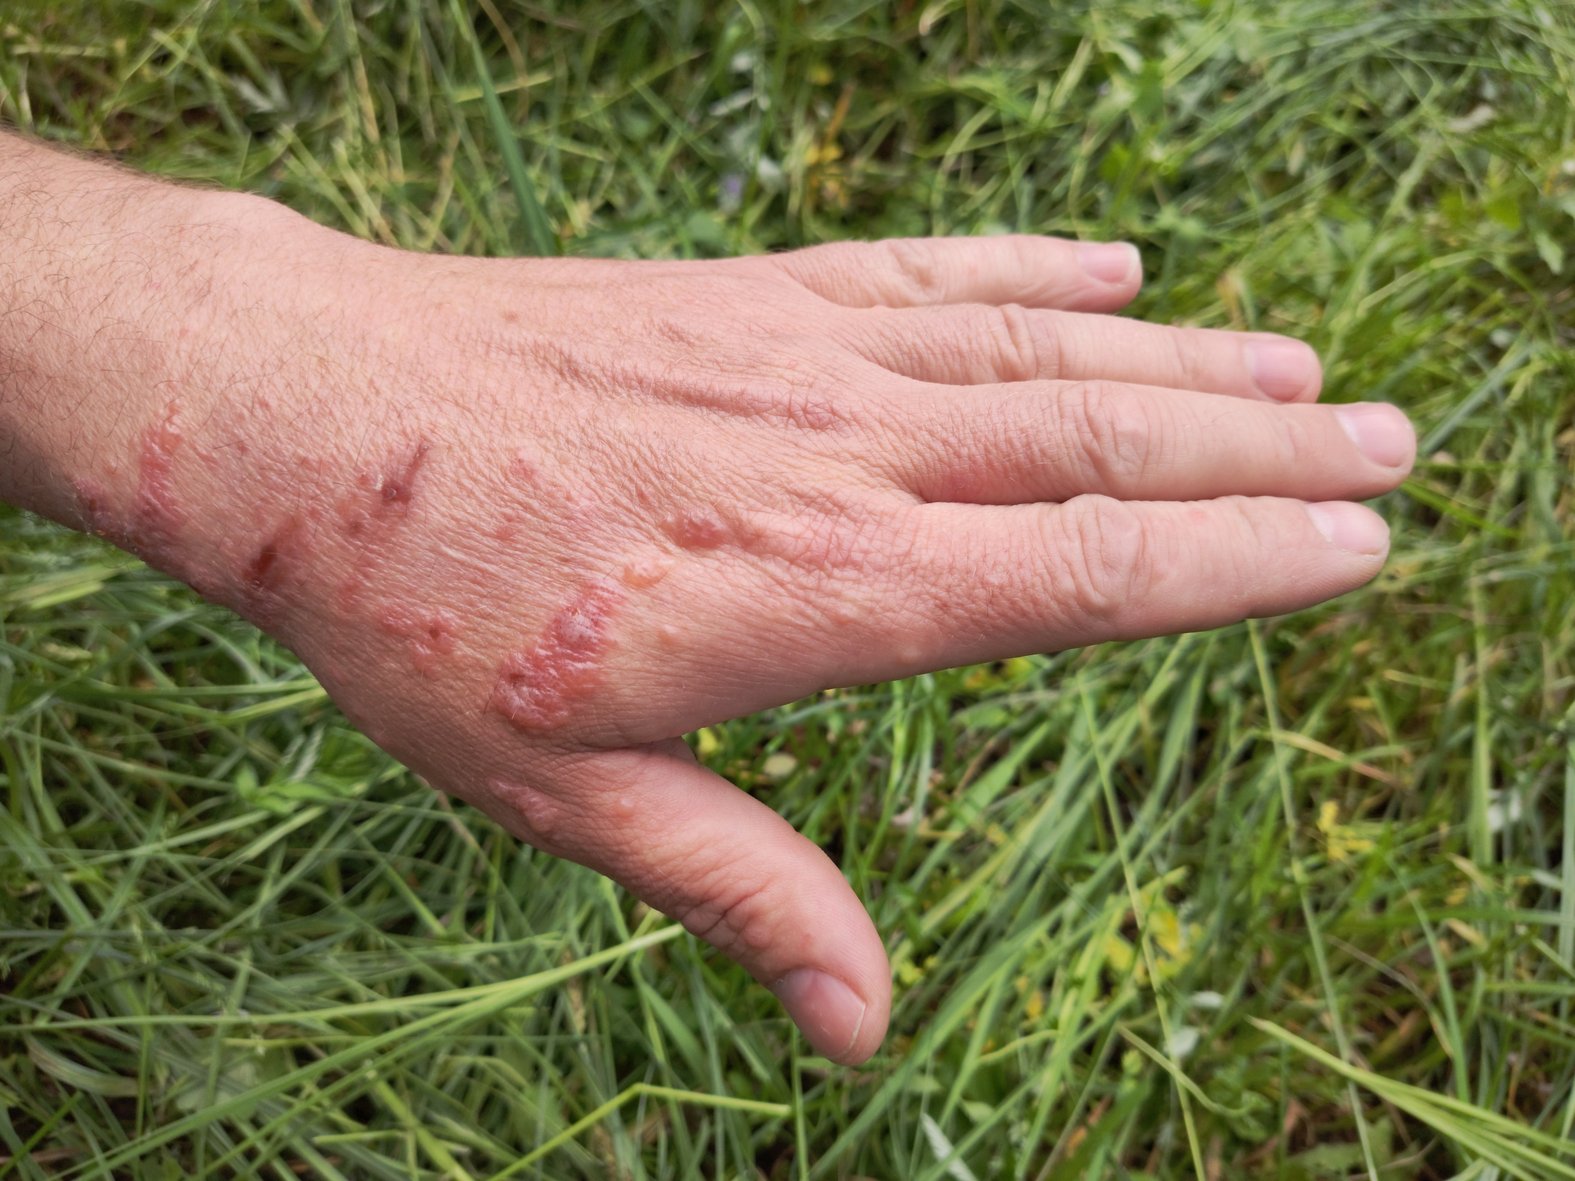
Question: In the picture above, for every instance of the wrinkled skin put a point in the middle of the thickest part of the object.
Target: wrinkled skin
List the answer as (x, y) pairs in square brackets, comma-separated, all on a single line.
[(532, 521)]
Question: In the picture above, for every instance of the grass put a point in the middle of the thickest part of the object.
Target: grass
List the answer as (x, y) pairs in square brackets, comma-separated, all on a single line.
[(1292, 900)]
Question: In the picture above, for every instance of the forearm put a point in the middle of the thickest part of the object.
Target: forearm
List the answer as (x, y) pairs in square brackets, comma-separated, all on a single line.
[(131, 314), (100, 273)]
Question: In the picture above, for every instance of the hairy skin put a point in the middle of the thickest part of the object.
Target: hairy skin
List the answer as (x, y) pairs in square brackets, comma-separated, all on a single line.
[(531, 521)]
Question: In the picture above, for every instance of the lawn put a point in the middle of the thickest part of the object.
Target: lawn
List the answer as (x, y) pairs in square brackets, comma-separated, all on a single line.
[(1291, 900)]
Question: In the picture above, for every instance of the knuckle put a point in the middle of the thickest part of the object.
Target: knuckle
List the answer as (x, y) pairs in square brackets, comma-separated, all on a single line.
[(1245, 552), (736, 917), (919, 274), (1297, 443), (1111, 430), (1259, 534), (812, 407), (1102, 553), (1189, 350), (1021, 354), (837, 546)]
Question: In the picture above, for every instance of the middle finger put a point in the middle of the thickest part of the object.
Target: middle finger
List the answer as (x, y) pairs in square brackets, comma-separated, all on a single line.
[(1051, 441), (967, 344)]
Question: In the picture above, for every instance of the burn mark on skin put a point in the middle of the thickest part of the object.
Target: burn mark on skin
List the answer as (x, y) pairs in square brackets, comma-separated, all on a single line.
[(430, 633), (538, 686)]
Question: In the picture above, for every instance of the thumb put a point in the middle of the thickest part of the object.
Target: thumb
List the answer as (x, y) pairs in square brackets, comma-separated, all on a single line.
[(733, 872)]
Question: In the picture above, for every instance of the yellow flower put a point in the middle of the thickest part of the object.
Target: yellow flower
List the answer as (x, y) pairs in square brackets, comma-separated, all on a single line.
[(1341, 841)]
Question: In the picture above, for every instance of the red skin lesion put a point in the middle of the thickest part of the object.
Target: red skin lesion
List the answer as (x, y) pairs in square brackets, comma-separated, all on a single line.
[(430, 634), (538, 686), (93, 508), (266, 567), (397, 486), (156, 515), (385, 493), (701, 528), (643, 573), (349, 593), (507, 527), (523, 468), (520, 806), (260, 579), (153, 522)]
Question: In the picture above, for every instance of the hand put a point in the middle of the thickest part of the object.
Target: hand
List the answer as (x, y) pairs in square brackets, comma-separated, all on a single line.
[(532, 521)]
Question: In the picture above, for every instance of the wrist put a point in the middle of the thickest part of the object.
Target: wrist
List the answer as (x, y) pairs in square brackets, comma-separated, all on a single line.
[(130, 313)]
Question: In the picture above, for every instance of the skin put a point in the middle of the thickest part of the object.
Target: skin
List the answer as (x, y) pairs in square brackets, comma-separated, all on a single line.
[(531, 521)]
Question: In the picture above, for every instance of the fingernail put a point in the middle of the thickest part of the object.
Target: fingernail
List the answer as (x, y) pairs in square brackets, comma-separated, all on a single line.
[(827, 1010), (1351, 527), (1281, 368), (1109, 262), (1380, 431)]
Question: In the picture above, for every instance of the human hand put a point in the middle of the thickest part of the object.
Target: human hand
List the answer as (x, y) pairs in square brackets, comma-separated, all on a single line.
[(531, 521)]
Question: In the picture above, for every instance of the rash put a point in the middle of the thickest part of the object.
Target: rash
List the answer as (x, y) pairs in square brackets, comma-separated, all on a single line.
[(538, 686), (430, 633), (398, 486), (151, 525), (263, 571), (388, 492), (258, 581), (507, 527), (93, 508), (642, 573), (523, 469), (532, 809), (699, 529), (156, 517)]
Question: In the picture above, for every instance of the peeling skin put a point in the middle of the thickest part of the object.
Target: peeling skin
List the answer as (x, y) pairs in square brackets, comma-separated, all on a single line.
[(539, 686), (430, 633)]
